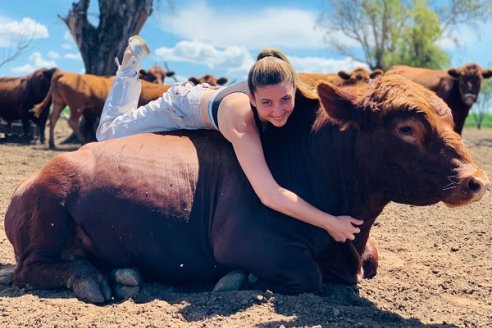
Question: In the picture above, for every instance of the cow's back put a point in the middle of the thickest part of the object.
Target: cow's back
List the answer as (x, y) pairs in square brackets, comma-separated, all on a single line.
[(82, 90), (121, 215), (435, 80)]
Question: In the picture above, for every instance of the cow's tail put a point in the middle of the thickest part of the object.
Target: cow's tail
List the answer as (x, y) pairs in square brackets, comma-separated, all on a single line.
[(38, 108)]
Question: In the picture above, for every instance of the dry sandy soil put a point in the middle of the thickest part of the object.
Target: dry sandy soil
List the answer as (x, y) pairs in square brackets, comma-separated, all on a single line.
[(435, 271)]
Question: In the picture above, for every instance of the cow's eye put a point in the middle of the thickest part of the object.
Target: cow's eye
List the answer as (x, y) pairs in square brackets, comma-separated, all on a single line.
[(406, 130)]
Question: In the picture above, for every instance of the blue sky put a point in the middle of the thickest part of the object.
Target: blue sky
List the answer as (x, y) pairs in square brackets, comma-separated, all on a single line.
[(205, 36)]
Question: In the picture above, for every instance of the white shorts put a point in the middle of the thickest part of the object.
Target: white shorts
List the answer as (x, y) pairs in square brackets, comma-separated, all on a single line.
[(177, 108)]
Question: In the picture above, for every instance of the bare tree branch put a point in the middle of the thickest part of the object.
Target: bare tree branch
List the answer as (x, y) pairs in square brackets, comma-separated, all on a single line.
[(22, 44)]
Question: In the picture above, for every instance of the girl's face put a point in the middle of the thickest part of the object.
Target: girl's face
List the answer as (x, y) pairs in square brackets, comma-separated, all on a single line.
[(274, 103)]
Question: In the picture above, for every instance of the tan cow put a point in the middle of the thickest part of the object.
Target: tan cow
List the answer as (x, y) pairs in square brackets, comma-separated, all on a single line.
[(155, 74), (342, 78), (85, 95), (210, 79)]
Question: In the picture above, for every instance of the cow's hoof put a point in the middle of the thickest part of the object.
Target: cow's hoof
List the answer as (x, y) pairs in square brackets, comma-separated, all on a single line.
[(127, 282), (7, 274), (234, 280), (91, 291)]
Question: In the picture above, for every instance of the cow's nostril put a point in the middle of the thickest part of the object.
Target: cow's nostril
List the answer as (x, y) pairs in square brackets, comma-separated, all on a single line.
[(474, 185)]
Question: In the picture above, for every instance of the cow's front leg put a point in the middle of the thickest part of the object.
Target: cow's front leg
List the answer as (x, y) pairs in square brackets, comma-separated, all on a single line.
[(282, 268), (370, 260), (126, 282)]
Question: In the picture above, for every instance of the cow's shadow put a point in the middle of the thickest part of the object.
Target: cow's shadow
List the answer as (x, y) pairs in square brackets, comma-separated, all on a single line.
[(335, 306)]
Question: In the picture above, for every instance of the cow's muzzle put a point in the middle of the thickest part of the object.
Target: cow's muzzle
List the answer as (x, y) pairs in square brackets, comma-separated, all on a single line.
[(469, 189), (469, 98)]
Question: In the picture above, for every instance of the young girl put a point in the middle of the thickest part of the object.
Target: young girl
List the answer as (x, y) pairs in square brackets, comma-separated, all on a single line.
[(239, 112)]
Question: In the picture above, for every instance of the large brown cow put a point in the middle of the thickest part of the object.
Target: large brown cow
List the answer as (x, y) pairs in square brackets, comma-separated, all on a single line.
[(458, 87), (342, 78), (19, 94), (155, 74), (179, 208), (85, 95)]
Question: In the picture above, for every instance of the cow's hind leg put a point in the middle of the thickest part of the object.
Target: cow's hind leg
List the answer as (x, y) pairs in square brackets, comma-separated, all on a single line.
[(74, 123), (47, 244), (83, 278)]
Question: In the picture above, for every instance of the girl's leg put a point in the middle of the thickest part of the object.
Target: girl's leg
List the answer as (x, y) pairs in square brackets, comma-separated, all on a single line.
[(125, 90)]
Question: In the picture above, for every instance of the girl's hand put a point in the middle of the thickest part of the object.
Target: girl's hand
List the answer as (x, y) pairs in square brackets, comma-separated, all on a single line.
[(343, 228)]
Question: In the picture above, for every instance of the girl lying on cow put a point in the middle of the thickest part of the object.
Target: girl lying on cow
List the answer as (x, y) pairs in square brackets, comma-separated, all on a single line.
[(240, 112)]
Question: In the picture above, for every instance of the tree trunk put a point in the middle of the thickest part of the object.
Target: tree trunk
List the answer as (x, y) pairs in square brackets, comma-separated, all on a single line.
[(118, 20)]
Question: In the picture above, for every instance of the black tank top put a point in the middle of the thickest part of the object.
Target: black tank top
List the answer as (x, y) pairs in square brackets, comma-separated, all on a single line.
[(238, 87)]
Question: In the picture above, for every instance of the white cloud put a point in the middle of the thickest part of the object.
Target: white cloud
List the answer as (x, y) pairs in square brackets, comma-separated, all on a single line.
[(53, 54), (36, 61), (70, 44), (467, 36), (235, 60), (68, 36), (280, 27), (324, 65), (74, 56), (12, 31)]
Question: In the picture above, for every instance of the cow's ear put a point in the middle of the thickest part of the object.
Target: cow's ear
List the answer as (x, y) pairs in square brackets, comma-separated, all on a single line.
[(169, 74), (486, 73), (49, 72), (376, 73), (339, 104), (454, 73), (222, 81), (194, 80), (344, 75)]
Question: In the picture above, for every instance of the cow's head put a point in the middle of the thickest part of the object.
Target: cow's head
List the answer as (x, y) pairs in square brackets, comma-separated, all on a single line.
[(359, 75), (405, 144), (155, 74), (209, 79), (38, 83), (469, 78)]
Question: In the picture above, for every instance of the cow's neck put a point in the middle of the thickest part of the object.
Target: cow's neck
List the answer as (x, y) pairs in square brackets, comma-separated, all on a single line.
[(320, 167), (357, 191)]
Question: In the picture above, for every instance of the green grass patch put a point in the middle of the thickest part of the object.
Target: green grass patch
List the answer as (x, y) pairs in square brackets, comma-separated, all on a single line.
[(471, 121)]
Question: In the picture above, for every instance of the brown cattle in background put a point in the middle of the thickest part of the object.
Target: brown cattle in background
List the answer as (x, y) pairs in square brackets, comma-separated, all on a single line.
[(85, 95), (209, 79), (342, 78), (179, 208), (458, 87), (19, 94), (155, 74)]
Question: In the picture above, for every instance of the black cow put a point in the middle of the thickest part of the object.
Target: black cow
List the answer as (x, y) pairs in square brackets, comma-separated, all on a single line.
[(19, 94)]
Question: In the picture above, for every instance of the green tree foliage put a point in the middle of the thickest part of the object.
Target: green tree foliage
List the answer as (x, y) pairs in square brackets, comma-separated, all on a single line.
[(390, 32), (417, 47), (484, 104)]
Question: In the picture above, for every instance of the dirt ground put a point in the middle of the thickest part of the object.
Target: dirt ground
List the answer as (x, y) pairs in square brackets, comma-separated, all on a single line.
[(435, 271)]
